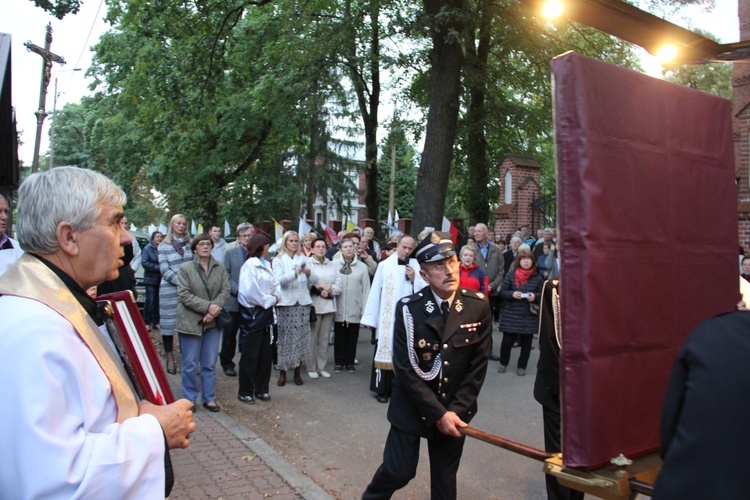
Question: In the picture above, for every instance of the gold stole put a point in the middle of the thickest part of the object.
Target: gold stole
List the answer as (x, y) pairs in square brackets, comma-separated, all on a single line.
[(31, 279)]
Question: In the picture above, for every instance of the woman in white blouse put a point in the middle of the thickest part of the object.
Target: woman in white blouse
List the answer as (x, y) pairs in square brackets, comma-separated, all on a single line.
[(258, 292), (292, 270)]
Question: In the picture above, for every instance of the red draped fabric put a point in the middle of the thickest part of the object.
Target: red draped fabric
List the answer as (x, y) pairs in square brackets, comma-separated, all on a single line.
[(647, 209)]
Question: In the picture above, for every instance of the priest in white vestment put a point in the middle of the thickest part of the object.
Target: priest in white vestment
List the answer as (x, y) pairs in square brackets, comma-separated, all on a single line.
[(71, 425), (10, 249), (396, 277)]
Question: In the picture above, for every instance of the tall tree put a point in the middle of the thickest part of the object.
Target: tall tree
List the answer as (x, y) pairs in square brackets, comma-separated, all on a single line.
[(446, 23)]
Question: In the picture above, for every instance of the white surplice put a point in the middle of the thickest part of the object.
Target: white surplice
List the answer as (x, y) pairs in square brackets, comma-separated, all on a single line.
[(59, 436), (388, 286), (10, 255)]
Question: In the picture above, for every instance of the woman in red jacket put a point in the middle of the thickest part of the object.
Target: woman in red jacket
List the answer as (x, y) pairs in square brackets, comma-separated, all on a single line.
[(471, 275)]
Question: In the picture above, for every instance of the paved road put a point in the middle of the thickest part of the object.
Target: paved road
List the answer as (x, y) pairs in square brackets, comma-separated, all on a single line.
[(333, 431)]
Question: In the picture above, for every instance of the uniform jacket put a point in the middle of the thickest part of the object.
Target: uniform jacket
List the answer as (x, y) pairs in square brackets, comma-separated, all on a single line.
[(493, 266), (233, 262), (547, 383), (517, 317), (463, 344), (193, 299)]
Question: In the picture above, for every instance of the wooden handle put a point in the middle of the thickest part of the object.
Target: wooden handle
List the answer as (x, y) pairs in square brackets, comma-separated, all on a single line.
[(513, 446)]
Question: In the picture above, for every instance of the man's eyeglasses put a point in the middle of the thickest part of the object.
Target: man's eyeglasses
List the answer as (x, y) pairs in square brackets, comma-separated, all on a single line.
[(444, 265)]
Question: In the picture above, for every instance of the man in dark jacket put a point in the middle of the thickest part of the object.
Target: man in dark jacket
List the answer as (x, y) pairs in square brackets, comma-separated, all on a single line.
[(706, 413), (234, 258), (441, 344), (547, 386), (490, 260), (151, 280)]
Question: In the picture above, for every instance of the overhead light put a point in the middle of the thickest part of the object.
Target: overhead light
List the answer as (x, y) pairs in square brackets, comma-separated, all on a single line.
[(552, 9), (666, 53)]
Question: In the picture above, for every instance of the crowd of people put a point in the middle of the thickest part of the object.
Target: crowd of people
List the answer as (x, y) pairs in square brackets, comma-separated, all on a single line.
[(430, 304)]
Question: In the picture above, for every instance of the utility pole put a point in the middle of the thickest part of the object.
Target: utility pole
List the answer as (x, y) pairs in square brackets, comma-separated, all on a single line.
[(48, 58), (392, 190), (54, 121)]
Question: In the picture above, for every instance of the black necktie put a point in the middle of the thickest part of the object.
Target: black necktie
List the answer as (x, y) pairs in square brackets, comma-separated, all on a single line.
[(445, 307)]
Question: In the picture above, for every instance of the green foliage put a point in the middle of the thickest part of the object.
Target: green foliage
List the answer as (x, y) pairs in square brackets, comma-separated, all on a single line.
[(713, 78), (59, 8), (405, 178)]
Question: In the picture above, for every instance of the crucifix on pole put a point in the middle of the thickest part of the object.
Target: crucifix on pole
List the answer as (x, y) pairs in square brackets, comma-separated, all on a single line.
[(48, 58)]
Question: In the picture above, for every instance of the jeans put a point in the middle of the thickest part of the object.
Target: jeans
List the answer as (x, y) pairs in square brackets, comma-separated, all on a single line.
[(151, 306), (203, 350)]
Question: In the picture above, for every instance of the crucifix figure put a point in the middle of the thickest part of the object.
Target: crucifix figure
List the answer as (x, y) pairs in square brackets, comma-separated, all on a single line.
[(48, 58)]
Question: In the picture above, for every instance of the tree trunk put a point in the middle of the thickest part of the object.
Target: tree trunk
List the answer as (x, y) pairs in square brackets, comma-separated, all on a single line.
[(368, 103), (476, 150), (442, 118)]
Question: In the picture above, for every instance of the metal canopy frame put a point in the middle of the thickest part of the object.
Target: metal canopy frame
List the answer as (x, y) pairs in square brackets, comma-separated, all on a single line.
[(637, 26)]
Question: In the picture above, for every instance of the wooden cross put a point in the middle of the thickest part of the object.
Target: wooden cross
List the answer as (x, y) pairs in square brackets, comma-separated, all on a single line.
[(48, 58)]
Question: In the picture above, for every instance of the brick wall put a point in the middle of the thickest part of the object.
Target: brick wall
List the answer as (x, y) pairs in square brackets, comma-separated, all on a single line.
[(525, 187), (741, 126)]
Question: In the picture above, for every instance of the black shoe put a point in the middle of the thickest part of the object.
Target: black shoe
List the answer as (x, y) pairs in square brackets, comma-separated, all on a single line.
[(246, 399), (264, 397), (193, 408), (494, 357), (382, 399), (229, 372), (214, 408), (350, 368), (338, 369)]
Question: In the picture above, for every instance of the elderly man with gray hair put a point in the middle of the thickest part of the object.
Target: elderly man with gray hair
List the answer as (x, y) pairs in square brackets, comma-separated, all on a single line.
[(10, 249), (72, 425)]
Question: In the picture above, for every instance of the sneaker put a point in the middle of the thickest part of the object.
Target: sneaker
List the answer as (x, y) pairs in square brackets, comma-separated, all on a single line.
[(502, 369), (338, 369), (351, 369), (324, 374), (356, 361), (312, 374), (521, 372)]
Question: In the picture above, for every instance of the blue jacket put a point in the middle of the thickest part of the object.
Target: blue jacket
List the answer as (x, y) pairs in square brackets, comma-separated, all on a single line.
[(150, 263)]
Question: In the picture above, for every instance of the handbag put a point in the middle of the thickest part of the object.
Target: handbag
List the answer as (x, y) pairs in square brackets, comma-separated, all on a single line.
[(534, 308), (313, 315), (224, 319)]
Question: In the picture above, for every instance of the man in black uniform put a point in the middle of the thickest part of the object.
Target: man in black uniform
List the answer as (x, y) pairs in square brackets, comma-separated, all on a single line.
[(441, 344)]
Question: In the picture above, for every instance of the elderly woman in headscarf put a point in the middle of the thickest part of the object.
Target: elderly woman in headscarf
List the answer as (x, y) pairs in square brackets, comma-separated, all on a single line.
[(325, 286), (174, 250), (292, 270)]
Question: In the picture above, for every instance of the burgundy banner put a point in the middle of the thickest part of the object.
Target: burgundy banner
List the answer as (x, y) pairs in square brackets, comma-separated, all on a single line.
[(647, 208)]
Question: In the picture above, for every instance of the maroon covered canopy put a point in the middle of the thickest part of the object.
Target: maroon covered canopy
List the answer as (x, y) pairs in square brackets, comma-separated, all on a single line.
[(648, 226)]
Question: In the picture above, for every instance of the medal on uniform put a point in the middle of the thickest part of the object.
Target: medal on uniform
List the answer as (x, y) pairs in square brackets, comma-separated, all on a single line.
[(427, 356), (422, 343)]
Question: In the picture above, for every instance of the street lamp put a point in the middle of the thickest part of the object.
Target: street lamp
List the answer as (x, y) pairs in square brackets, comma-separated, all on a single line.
[(54, 120)]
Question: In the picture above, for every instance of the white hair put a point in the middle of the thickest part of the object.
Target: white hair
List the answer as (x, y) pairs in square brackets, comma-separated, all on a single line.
[(70, 194)]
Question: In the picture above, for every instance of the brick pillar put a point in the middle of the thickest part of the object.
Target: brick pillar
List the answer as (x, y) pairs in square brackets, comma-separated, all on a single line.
[(363, 223), (404, 225)]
